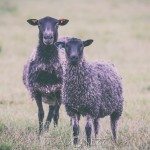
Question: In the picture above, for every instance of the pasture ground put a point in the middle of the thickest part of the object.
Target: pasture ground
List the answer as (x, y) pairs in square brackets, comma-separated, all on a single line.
[(121, 33)]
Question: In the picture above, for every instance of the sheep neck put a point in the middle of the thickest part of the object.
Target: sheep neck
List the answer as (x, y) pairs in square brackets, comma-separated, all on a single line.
[(77, 72)]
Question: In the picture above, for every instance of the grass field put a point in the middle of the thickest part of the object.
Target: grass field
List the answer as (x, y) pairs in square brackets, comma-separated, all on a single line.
[(121, 33)]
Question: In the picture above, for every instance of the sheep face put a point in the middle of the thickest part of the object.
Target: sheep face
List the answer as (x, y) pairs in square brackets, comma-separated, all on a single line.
[(74, 49), (48, 28)]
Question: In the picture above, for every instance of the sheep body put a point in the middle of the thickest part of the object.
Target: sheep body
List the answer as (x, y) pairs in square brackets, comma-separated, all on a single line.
[(92, 88), (43, 73)]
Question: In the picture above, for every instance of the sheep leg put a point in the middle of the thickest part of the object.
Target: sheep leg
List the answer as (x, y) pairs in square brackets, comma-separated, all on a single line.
[(49, 117), (78, 117), (88, 130), (56, 114), (71, 119), (75, 125), (114, 124), (96, 126), (40, 112)]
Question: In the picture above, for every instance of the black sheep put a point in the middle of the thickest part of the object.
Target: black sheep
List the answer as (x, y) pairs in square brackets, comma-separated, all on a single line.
[(42, 74), (93, 89)]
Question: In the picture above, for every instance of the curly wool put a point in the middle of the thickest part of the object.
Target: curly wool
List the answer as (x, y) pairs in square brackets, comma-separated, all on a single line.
[(43, 73), (92, 89)]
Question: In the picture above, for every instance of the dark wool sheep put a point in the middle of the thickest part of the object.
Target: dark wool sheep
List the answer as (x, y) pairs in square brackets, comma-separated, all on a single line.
[(93, 90), (42, 74)]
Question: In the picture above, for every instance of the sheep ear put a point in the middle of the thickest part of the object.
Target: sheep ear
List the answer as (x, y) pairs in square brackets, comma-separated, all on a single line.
[(87, 42), (63, 22), (33, 22), (60, 45)]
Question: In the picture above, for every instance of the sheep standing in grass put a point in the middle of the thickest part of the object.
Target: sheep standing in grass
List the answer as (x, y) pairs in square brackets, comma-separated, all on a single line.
[(93, 90), (42, 74)]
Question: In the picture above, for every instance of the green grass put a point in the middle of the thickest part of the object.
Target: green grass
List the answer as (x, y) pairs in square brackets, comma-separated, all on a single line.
[(5, 146), (121, 33)]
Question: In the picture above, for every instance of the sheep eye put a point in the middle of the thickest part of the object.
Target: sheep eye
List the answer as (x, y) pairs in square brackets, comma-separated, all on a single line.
[(80, 46), (67, 46), (57, 24)]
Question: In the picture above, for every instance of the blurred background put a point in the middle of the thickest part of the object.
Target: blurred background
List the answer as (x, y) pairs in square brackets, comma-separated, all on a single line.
[(121, 33)]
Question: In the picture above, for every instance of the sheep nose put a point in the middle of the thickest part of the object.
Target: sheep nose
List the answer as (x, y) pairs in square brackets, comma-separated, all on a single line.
[(48, 37), (74, 58)]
